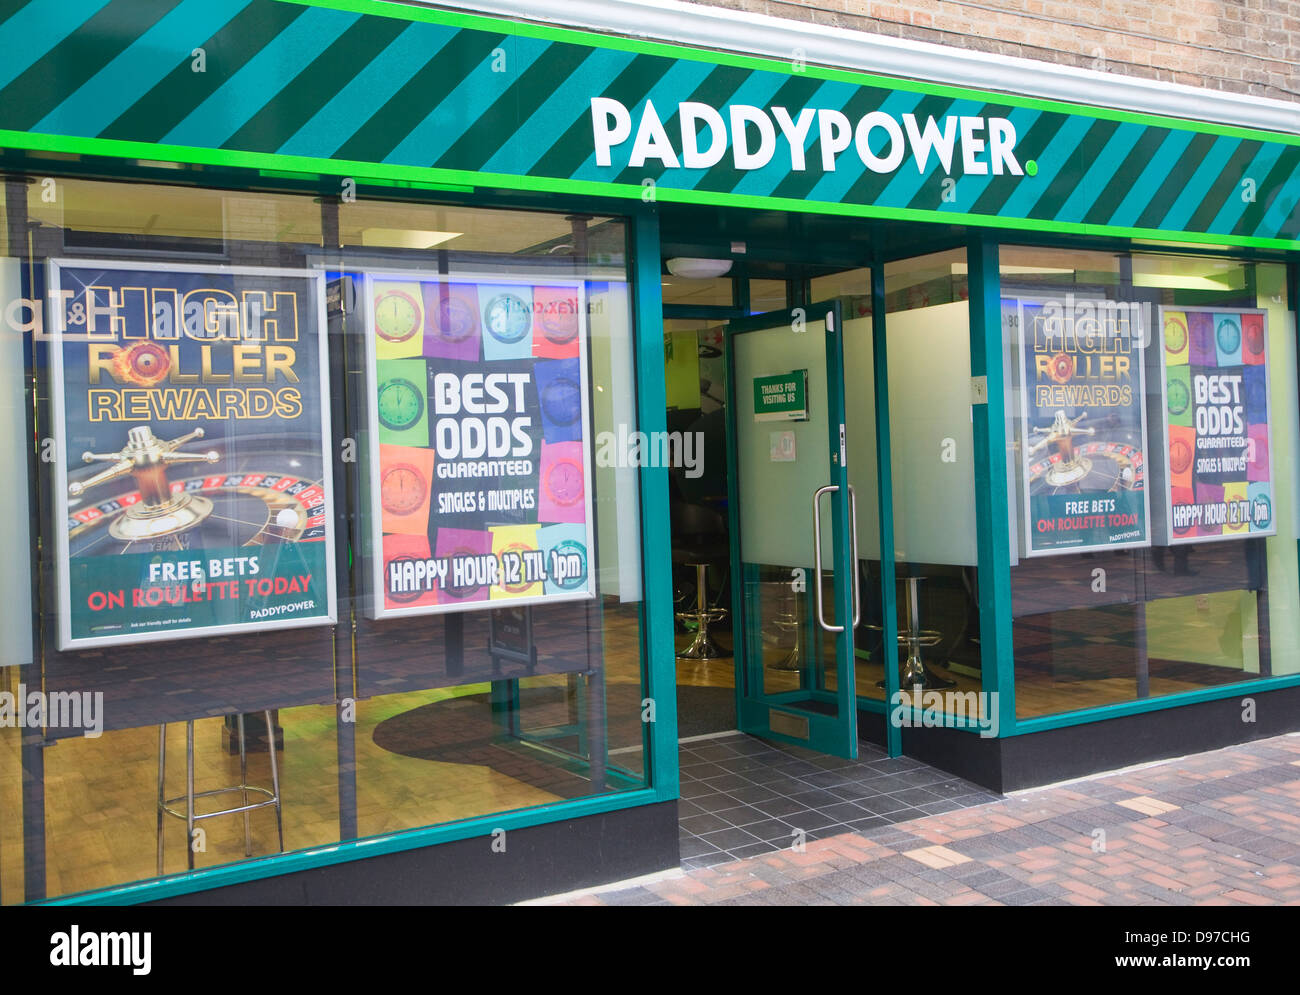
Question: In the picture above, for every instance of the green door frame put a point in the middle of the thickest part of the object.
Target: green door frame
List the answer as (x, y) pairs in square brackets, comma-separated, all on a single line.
[(838, 734)]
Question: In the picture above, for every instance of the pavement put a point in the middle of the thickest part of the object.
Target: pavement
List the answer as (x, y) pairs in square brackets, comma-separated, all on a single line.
[(1218, 828)]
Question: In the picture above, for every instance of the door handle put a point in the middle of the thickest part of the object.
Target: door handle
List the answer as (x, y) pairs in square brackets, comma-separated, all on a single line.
[(817, 556)]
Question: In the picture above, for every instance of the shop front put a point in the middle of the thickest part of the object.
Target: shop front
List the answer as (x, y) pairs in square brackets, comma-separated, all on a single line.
[(395, 398)]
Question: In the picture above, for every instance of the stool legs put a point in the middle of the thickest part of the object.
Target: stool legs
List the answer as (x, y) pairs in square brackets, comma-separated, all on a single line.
[(243, 789), (702, 646), (243, 785), (189, 793)]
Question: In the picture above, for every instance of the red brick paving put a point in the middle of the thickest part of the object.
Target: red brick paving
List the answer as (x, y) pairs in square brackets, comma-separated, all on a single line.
[(1233, 838)]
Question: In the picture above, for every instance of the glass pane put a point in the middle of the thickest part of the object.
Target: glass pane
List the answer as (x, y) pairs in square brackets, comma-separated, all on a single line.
[(780, 463), (767, 295), (932, 462), (1130, 578), (679, 290)]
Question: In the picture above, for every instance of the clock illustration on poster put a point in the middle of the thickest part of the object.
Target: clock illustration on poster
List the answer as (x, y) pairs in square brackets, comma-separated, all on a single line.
[(402, 489), (1175, 335), (398, 316), (560, 327), (1228, 336), (1179, 397), (562, 401), (507, 318), (1255, 339), (564, 482), (453, 319), (401, 404)]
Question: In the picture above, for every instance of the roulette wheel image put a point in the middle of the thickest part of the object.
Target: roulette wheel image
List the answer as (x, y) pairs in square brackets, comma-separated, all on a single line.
[(1175, 335), (145, 364), (507, 318), (402, 488), (398, 316), (268, 490), (561, 401), (1179, 397), (1073, 467), (401, 404), (1228, 335), (564, 482)]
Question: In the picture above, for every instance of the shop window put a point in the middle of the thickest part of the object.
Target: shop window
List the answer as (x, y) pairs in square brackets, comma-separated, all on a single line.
[(344, 473), (1151, 410)]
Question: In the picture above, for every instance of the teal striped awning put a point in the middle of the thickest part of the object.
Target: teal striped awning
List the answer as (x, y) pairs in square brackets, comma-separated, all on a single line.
[(381, 91)]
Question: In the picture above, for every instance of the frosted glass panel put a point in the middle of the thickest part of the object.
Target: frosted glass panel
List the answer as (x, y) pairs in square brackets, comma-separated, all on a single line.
[(776, 510), (860, 419), (15, 572), (929, 404)]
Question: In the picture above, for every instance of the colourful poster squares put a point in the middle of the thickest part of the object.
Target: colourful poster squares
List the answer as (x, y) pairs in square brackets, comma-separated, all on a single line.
[(1216, 415), (480, 478)]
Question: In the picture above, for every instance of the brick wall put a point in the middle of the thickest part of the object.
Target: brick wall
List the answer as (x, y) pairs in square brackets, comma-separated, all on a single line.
[(1249, 46)]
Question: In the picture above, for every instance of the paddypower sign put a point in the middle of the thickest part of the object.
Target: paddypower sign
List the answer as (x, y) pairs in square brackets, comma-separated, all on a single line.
[(755, 137), (408, 94)]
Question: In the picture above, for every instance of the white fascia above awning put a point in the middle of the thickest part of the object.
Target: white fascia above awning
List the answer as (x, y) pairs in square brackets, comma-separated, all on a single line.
[(772, 37)]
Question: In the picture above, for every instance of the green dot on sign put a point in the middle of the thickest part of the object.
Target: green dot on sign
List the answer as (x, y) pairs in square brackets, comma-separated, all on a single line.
[(1031, 167)]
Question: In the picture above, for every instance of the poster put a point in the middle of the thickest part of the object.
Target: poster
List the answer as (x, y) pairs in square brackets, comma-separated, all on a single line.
[(1216, 413), (192, 434), (1083, 432), (480, 476)]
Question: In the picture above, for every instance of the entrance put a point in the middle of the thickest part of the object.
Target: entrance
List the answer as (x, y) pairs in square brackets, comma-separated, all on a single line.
[(825, 550)]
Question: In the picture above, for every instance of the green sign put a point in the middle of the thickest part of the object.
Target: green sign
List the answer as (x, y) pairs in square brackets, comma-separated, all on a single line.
[(378, 93), (781, 397)]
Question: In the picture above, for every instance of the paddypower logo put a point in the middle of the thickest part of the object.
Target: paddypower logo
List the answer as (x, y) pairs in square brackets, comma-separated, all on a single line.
[(757, 137)]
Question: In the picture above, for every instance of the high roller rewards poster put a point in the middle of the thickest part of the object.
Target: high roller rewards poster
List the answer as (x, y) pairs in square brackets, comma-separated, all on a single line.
[(1216, 412), (192, 470), (1082, 424), (480, 470)]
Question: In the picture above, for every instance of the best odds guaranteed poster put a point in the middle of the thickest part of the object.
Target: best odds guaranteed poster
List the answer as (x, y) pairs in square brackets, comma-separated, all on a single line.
[(480, 471), (1216, 404), (1082, 424), (191, 470)]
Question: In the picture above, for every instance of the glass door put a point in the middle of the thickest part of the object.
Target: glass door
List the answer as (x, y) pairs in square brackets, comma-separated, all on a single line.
[(796, 596)]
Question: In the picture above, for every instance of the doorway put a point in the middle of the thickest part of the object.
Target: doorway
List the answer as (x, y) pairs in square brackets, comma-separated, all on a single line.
[(902, 574)]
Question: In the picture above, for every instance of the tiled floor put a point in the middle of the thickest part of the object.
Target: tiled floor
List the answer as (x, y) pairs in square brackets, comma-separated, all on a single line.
[(742, 797), (1219, 828)]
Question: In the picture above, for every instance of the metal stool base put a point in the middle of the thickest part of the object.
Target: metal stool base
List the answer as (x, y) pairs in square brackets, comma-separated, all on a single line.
[(243, 788)]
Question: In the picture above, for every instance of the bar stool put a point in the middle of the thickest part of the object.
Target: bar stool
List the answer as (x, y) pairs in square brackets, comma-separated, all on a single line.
[(702, 647), (272, 795), (913, 671)]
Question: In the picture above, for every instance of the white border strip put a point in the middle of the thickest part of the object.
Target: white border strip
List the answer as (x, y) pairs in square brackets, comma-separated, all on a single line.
[(763, 35)]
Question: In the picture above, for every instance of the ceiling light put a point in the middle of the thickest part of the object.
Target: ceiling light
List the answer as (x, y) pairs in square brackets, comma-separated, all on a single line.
[(698, 269)]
